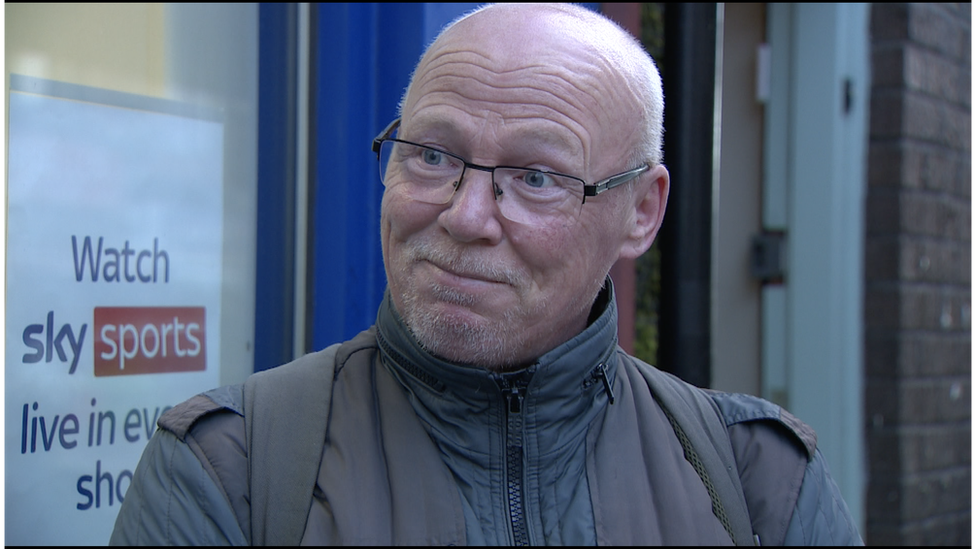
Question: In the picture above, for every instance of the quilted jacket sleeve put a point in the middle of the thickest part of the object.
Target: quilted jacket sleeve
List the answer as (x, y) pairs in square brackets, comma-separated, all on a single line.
[(174, 501), (792, 498), (821, 516)]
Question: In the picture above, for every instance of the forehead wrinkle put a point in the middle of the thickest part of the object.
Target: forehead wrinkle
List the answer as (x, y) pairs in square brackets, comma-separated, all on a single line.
[(550, 90), (558, 40), (496, 133), (582, 72), (574, 78), (443, 125)]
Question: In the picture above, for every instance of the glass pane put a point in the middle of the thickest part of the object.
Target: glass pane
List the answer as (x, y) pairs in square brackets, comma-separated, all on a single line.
[(131, 188)]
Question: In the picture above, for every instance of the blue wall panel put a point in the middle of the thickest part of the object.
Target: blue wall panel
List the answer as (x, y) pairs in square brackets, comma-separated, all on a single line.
[(346, 267), (274, 276)]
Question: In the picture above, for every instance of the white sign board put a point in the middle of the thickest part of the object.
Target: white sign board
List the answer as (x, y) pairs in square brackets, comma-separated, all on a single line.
[(112, 299)]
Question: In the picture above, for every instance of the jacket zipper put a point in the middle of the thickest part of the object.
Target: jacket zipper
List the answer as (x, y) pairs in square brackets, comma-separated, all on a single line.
[(513, 388), (601, 374)]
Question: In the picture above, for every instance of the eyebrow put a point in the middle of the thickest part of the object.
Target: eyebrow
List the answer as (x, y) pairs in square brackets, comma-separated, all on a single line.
[(554, 140), (531, 141)]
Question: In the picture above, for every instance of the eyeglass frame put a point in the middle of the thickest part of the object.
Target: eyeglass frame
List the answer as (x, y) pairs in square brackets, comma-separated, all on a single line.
[(588, 190)]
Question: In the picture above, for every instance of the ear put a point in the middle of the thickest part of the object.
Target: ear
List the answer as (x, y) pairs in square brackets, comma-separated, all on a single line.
[(650, 199)]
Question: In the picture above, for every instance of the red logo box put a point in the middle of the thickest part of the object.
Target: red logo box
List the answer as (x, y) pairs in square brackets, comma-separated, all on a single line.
[(149, 340)]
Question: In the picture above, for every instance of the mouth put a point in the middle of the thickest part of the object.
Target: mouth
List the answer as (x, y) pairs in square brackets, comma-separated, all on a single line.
[(464, 270), (467, 274)]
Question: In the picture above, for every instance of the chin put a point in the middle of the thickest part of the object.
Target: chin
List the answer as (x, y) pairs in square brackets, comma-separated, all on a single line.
[(462, 337)]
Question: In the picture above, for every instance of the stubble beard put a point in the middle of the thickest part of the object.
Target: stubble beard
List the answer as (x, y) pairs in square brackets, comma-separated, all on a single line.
[(496, 343), (487, 344)]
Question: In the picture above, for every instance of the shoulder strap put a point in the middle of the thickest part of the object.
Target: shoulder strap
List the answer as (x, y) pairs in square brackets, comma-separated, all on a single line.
[(702, 432), (284, 449)]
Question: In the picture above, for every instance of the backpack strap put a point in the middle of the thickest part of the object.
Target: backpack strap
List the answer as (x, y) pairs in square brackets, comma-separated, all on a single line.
[(701, 429), (284, 449)]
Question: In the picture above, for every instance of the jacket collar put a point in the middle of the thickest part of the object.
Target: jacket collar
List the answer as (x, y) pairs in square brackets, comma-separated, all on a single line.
[(565, 386)]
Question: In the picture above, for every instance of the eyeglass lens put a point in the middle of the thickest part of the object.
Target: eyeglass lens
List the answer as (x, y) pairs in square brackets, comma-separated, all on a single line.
[(523, 195)]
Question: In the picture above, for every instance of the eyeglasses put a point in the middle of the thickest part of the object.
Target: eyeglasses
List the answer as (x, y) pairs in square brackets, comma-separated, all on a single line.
[(523, 195)]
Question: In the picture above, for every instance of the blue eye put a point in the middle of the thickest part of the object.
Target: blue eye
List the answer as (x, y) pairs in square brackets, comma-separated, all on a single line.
[(537, 179), (432, 157)]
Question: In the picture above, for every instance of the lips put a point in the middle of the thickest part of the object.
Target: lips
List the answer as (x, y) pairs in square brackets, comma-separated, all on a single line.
[(455, 265), (469, 274), (454, 276)]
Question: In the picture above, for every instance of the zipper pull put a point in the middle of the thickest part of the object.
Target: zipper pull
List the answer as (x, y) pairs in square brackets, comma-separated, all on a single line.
[(514, 399), (601, 372), (513, 386)]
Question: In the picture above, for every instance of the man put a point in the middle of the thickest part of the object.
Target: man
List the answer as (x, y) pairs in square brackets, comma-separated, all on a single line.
[(490, 403)]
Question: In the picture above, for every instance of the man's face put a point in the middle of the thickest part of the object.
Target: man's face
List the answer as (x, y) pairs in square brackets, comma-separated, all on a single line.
[(473, 286)]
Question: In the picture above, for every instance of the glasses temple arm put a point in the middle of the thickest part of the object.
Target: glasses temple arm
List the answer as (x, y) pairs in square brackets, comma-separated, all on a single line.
[(614, 181), (385, 134)]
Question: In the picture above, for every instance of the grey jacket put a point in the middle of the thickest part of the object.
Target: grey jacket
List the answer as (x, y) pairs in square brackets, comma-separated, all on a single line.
[(420, 451)]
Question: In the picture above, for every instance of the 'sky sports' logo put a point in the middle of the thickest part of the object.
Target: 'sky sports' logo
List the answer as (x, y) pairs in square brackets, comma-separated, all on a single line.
[(149, 340)]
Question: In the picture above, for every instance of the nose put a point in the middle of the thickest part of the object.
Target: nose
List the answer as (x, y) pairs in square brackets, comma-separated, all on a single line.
[(491, 171), (472, 214)]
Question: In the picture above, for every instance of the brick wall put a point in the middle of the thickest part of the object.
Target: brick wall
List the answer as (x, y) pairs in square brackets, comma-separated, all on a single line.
[(918, 277)]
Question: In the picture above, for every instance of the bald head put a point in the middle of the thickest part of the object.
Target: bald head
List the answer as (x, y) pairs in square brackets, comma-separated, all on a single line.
[(593, 69)]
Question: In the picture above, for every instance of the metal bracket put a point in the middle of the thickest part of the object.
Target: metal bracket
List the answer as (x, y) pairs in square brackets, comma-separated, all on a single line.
[(768, 257)]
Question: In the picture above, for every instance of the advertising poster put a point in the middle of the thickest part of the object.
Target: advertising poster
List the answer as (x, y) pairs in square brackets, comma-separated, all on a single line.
[(114, 245)]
